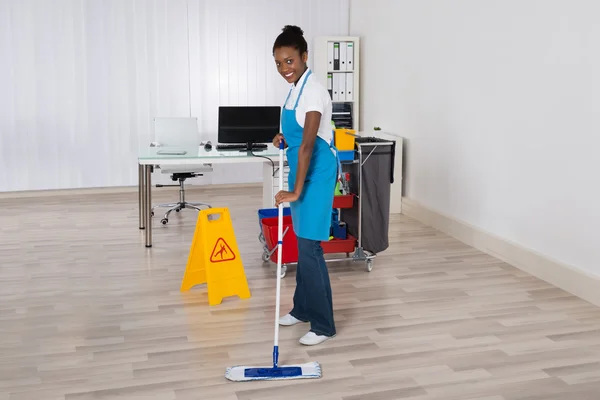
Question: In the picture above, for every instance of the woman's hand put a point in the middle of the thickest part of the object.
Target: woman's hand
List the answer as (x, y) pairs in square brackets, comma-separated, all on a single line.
[(277, 139), (283, 197)]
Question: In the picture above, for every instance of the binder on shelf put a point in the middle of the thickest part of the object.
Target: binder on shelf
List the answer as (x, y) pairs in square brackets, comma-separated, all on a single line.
[(349, 86), (336, 86), (336, 56), (349, 56), (330, 83), (330, 56), (339, 86), (343, 49)]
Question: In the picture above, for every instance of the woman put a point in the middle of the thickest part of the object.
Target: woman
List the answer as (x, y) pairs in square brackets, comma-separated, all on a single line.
[(308, 136)]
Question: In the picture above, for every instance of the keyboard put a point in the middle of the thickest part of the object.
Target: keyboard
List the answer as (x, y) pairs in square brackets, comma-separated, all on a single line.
[(241, 147)]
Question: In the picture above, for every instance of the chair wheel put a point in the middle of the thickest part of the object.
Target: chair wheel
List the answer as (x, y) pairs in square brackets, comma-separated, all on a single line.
[(164, 221), (369, 265), (283, 271), (178, 209), (152, 213)]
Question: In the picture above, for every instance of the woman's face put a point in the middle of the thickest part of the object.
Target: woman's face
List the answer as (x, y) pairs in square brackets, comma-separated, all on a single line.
[(289, 63)]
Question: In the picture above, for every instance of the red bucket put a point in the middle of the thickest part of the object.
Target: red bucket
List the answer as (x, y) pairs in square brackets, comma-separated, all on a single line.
[(290, 243)]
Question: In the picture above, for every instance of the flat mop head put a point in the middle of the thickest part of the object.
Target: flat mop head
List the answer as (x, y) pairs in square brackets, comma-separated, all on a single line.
[(242, 373)]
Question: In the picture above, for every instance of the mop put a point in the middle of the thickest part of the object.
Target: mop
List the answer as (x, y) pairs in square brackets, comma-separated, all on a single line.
[(308, 370)]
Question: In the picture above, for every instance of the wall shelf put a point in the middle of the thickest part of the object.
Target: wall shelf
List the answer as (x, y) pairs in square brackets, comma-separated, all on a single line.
[(336, 64)]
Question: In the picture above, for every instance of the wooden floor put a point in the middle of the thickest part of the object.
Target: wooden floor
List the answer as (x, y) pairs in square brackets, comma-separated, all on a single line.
[(87, 312)]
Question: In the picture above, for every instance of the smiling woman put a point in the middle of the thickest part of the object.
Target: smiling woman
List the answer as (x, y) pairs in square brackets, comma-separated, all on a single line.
[(311, 156), (291, 53)]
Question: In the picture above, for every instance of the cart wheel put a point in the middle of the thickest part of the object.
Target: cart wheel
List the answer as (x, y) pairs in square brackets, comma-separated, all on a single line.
[(283, 271), (369, 265), (265, 256)]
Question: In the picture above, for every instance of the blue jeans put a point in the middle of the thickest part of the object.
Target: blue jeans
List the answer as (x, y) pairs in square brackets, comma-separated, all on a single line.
[(312, 298)]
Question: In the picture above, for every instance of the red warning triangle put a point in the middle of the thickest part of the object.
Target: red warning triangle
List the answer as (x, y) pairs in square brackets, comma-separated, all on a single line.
[(222, 252)]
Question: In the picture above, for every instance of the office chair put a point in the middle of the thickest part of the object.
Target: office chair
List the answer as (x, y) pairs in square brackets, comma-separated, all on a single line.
[(179, 132)]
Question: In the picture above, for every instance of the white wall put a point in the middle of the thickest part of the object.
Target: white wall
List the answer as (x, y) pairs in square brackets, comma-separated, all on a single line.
[(81, 80), (499, 104)]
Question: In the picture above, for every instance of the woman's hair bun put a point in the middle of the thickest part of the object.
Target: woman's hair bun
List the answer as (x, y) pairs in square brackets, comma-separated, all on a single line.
[(296, 30), (292, 36)]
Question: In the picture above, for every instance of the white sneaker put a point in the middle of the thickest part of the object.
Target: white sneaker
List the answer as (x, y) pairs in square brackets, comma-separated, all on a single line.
[(288, 320), (311, 339)]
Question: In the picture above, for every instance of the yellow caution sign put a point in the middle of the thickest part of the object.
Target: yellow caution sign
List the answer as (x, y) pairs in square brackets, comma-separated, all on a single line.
[(214, 258)]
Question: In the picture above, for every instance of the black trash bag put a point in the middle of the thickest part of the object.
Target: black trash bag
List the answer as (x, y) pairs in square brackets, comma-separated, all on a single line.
[(377, 177)]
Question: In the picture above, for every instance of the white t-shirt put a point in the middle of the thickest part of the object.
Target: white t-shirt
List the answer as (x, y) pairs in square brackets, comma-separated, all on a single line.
[(315, 97)]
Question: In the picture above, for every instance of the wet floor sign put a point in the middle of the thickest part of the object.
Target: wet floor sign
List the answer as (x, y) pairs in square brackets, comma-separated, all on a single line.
[(214, 258)]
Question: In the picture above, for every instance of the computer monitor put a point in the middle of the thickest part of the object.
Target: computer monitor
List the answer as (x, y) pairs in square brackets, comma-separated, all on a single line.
[(248, 125)]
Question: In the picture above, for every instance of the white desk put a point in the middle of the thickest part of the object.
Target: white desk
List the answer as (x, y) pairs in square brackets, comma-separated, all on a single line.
[(149, 158)]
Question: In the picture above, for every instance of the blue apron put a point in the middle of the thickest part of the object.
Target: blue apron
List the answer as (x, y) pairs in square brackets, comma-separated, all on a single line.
[(311, 213)]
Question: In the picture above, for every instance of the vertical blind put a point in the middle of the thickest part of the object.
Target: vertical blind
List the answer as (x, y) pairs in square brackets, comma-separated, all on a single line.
[(81, 80)]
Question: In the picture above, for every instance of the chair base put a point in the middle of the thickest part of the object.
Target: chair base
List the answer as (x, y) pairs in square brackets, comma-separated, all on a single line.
[(178, 207), (181, 204)]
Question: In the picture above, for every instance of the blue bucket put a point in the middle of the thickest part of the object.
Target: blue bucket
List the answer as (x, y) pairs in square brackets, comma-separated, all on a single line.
[(271, 212)]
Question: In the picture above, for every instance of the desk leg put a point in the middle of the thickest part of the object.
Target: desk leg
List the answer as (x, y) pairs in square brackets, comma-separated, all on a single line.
[(147, 203), (268, 200), (141, 202)]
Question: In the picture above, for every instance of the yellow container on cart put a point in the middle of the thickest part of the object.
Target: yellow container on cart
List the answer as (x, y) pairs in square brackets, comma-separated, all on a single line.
[(344, 139)]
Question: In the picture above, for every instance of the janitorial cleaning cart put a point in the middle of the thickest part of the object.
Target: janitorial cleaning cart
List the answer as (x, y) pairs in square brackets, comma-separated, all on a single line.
[(360, 214)]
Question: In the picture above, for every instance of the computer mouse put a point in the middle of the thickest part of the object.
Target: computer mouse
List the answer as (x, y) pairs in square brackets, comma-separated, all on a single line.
[(207, 146)]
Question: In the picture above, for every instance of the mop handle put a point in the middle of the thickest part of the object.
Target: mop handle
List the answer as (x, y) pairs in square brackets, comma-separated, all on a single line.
[(279, 257)]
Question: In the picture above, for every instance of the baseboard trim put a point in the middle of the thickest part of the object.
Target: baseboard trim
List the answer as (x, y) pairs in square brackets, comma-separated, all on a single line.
[(114, 190), (566, 277)]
